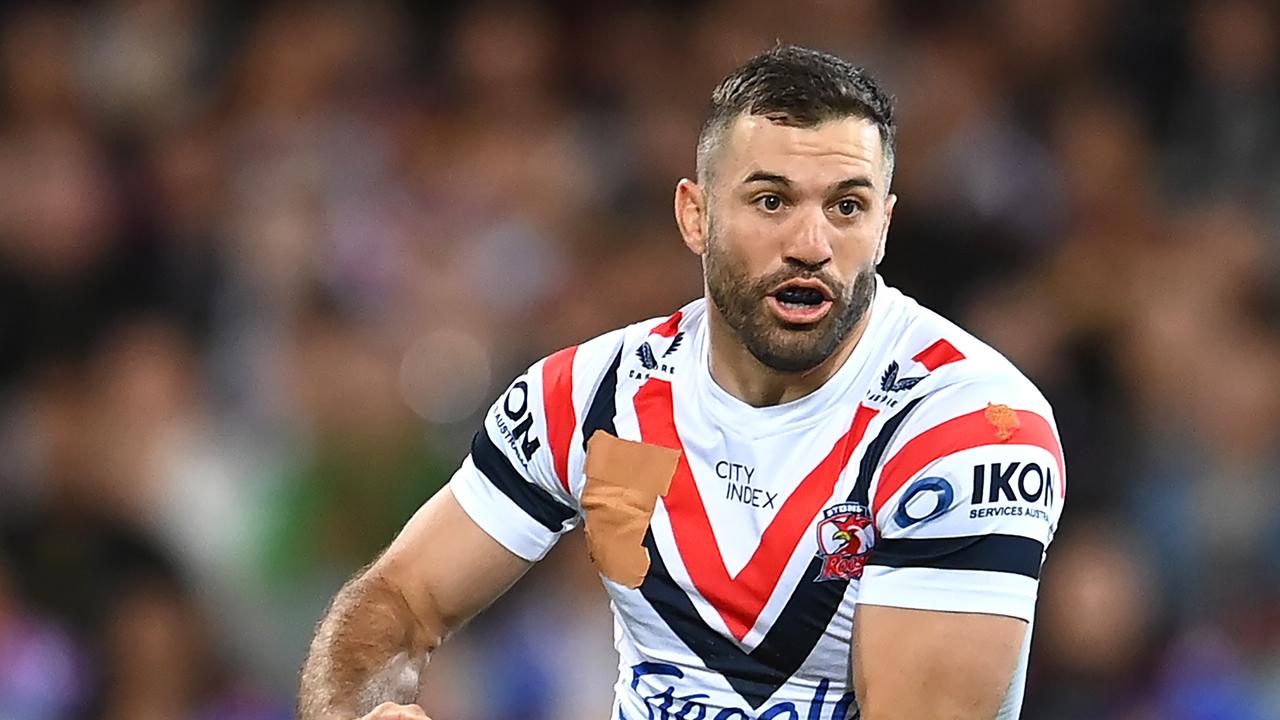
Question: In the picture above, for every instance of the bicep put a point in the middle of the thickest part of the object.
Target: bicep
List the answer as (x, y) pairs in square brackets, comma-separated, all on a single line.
[(446, 566), (925, 665)]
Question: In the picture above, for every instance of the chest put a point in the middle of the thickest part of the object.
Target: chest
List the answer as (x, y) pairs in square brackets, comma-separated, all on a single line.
[(751, 518)]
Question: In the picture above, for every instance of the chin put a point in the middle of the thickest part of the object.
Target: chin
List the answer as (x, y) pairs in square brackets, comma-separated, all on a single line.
[(789, 361), (795, 348)]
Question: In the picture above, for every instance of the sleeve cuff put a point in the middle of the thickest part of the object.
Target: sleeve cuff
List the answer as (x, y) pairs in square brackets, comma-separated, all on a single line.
[(970, 591), (499, 516)]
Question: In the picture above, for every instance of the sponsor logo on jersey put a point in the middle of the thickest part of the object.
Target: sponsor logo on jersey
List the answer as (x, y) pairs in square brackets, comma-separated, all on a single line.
[(924, 500), (652, 362), (515, 422), (890, 384), (739, 485), (647, 360), (675, 344), (1013, 489), (846, 535), (672, 703)]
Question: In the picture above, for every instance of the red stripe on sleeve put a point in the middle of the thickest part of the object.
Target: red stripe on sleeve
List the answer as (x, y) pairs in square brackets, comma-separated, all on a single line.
[(962, 433), (669, 327), (557, 399), (938, 354)]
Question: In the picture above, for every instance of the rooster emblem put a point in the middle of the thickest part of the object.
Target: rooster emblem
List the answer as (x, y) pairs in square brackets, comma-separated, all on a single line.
[(845, 536)]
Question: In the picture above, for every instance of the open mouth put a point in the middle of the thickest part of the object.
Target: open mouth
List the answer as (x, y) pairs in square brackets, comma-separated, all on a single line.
[(796, 296), (801, 302)]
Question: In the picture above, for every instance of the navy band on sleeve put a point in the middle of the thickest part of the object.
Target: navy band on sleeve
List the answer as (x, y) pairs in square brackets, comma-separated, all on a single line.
[(998, 553), (497, 469)]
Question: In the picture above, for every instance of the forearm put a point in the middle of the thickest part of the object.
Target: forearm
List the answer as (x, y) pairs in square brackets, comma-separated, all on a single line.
[(370, 648)]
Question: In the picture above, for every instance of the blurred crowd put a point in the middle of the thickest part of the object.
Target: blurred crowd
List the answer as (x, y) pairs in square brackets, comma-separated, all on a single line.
[(262, 266)]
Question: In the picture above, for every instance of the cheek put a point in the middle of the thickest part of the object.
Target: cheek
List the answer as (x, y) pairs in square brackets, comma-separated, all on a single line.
[(754, 246), (858, 247)]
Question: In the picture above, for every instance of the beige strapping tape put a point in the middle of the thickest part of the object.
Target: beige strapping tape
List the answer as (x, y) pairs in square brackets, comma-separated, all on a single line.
[(624, 481)]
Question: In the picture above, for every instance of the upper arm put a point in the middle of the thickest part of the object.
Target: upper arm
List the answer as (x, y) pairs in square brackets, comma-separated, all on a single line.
[(965, 506), (508, 503), (446, 566), (926, 665)]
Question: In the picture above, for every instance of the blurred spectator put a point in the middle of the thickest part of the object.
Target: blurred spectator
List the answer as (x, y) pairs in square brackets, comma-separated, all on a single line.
[(161, 666), (1223, 135), (41, 667)]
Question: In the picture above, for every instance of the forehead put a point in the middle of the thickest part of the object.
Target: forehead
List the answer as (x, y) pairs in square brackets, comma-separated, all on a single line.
[(826, 153)]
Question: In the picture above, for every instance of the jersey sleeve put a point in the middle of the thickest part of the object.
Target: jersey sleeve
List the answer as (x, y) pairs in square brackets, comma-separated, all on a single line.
[(966, 502), (515, 482)]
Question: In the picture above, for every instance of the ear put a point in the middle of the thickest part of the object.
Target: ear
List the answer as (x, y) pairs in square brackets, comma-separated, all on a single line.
[(691, 215), (889, 204)]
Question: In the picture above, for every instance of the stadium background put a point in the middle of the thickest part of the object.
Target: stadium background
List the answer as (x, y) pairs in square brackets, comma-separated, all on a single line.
[(262, 267)]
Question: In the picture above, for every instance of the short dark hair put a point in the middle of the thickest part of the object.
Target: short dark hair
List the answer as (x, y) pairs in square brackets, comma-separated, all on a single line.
[(800, 87)]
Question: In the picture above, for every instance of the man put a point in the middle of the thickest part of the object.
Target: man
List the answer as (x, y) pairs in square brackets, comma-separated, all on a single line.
[(856, 494)]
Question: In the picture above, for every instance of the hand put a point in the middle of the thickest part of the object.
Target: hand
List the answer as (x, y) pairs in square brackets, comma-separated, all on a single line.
[(392, 711)]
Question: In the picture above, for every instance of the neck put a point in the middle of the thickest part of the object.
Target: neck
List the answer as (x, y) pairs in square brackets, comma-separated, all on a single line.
[(735, 369)]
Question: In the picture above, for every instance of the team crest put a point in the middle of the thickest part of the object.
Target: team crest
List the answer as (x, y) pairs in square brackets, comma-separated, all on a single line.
[(846, 535)]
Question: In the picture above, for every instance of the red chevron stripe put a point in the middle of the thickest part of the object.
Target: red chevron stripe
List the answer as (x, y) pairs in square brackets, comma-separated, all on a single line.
[(740, 599)]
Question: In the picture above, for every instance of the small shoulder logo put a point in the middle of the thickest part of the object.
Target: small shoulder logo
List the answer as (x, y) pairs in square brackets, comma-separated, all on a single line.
[(647, 359), (650, 361), (675, 344), (846, 535), (890, 382), (1003, 418)]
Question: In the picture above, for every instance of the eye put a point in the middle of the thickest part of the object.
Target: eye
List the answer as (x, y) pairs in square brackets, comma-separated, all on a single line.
[(848, 207), (770, 202)]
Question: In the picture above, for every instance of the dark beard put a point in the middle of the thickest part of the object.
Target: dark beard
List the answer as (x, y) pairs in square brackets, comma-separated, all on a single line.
[(781, 346)]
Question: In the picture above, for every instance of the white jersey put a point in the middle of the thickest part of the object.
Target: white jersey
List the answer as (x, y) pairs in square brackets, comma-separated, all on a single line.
[(926, 473)]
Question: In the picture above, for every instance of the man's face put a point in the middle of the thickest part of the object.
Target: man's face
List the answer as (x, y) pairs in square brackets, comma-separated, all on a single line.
[(795, 224)]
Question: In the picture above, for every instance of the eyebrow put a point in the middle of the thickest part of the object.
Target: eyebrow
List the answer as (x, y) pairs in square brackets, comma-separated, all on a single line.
[(853, 182), (842, 186), (762, 176)]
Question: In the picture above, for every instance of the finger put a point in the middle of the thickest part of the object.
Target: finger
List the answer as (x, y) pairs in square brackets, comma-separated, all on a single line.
[(395, 711), (413, 712)]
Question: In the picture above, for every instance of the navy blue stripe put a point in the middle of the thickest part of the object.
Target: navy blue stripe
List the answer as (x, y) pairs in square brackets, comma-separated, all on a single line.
[(997, 553), (604, 406), (536, 502), (875, 453), (757, 675)]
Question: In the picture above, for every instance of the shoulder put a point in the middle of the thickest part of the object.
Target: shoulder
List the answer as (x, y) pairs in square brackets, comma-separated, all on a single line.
[(969, 483), (575, 374), (965, 399), (947, 368), (548, 407)]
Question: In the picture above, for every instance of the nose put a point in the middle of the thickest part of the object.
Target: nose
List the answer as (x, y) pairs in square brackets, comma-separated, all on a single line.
[(810, 245)]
